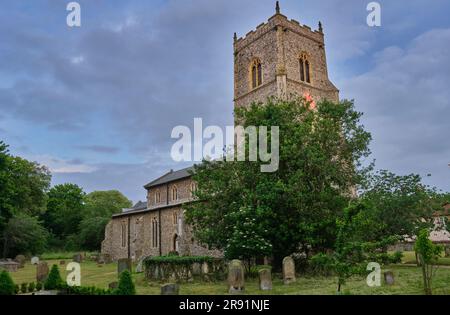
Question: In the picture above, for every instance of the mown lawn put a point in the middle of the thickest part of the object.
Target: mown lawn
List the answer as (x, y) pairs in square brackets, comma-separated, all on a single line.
[(408, 281)]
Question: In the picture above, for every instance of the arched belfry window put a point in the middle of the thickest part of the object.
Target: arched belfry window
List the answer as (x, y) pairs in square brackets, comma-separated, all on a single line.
[(305, 68), (256, 73)]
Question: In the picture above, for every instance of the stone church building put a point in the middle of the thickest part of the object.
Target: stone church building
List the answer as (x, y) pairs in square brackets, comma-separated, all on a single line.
[(281, 58)]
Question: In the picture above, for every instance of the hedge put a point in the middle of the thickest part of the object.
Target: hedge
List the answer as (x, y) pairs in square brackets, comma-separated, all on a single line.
[(181, 268), (177, 260)]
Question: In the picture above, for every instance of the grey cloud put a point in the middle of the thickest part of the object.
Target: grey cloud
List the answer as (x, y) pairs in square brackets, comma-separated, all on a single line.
[(133, 82), (99, 148), (407, 104)]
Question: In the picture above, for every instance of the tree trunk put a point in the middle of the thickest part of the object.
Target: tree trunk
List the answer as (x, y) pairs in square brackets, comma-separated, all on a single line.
[(426, 284)]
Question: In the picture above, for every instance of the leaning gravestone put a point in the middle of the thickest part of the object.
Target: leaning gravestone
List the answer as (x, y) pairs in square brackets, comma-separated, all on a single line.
[(78, 258), (20, 259), (41, 271), (288, 270), (265, 279), (123, 264), (35, 260), (170, 289), (236, 281), (389, 278)]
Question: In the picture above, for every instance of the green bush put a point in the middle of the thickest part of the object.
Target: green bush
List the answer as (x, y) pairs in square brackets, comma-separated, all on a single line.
[(396, 258), (177, 260), (57, 255), (16, 289), (126, 285), (31, 287), (254, 270), (38, 286), (24, 287), (54, 280), (68, 290), (7, 286), (321, 264)]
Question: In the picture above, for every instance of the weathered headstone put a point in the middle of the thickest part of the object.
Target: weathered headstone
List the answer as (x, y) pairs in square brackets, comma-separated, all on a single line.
[(170, 289), (196, 269), (205, 268), (140, 266), (389, 278), (265, 279), (123, 264), (78, 258), (288, 270), (236, 274), (41, 271), (35, 260), (104, 259), (21, 260), (10, 266), (113, 285)]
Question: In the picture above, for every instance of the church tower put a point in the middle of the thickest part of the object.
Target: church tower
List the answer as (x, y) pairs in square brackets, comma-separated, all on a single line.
[(281, 58)]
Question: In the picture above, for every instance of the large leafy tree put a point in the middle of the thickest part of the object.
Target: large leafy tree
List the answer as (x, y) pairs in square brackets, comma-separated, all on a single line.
[(99, 206), (27, 184), (64, 210), (92, 232), (296, 207), (105, 203), (23, 187), (401, 205), (5, 206), (24, 234)]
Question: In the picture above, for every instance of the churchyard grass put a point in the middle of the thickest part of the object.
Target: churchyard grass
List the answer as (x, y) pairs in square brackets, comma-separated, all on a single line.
[(408, 280)]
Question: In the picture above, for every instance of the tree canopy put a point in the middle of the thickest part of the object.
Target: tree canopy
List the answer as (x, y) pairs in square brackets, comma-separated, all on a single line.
[(295, 208)]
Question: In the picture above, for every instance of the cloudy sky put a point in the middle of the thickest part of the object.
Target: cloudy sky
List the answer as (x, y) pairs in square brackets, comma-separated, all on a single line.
[(97, 104)]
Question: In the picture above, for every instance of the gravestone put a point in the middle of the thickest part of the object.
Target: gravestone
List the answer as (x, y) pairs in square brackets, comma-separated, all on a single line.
[(288, 270), (78, 258), (62, 262), (41, 271), (140, 266), (21, 260), (104, 259), (196, 269), (205, 268), (265, 279), (35, 260), (170, 289), (123, 264), (389, 278), (236, 281), (100, 259), (10, 266), (113, 285)]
